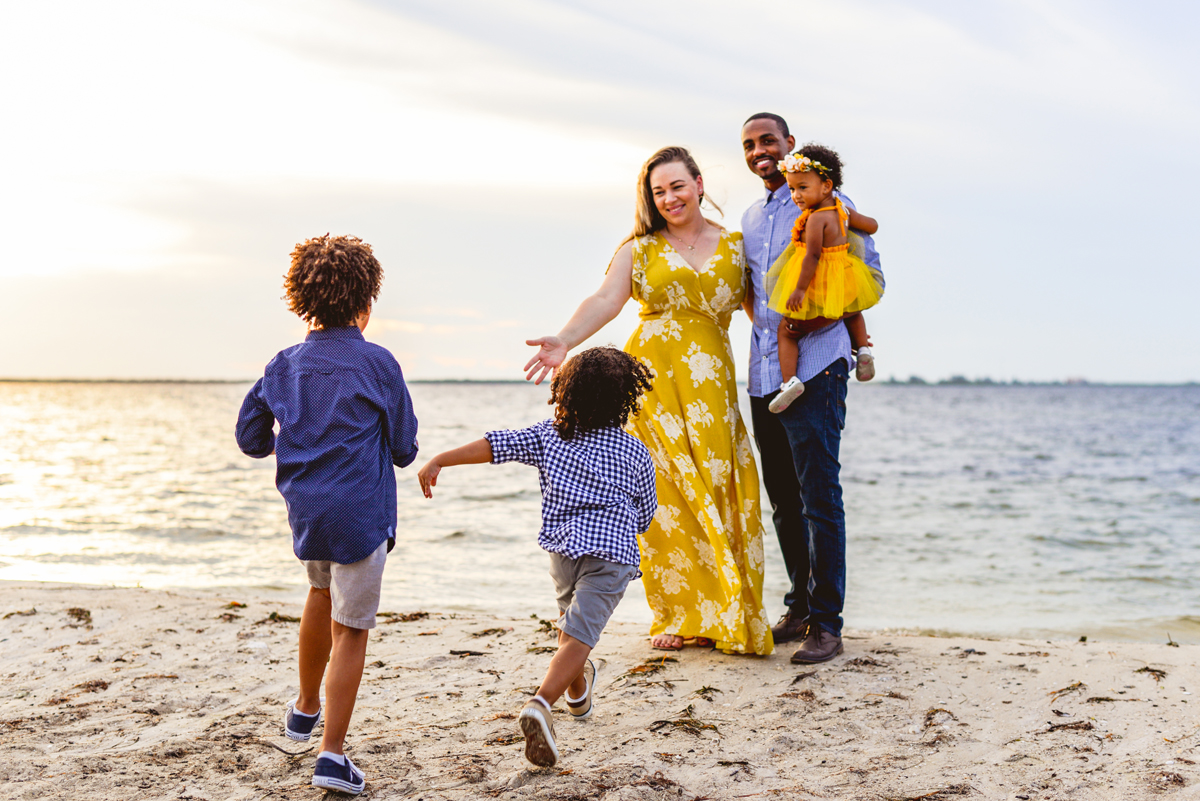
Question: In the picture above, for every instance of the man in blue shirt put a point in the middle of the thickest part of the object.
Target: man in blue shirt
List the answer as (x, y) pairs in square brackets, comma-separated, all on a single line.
[(345, 418), (799, 447)]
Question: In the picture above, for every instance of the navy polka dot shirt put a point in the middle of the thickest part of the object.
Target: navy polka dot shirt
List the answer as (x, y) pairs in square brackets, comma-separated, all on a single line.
[(345, 417)]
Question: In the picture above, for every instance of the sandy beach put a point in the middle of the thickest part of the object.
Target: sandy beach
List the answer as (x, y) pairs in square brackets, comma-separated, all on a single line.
[(140, 694)]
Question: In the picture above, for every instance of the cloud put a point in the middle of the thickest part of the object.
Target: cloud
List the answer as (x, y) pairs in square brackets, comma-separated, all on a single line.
[(406, 326), (164, 159)]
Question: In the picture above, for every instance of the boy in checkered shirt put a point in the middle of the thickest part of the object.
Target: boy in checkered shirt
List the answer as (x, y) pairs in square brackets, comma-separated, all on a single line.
[(597, 496)]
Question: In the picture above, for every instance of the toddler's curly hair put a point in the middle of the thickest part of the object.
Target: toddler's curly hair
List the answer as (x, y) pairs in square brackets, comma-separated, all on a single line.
[(829, 160), (332, 280), (598, 388)]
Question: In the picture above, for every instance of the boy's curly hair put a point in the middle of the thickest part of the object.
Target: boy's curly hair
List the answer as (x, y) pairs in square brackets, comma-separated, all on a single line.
[(829, 160), (598, 388), (332, 280)]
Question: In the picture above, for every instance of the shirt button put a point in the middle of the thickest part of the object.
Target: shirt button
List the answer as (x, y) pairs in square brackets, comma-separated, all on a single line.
[(771, 217)]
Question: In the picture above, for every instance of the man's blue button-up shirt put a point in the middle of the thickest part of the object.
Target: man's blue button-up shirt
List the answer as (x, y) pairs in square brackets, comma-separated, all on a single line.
[(766, 232), (345, 417)]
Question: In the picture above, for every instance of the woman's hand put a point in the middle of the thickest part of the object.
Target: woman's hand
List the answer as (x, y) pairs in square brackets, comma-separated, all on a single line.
[(428, 476), (552, 352)]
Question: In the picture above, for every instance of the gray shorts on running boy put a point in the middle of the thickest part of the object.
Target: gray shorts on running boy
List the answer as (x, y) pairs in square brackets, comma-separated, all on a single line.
[(589, 589)]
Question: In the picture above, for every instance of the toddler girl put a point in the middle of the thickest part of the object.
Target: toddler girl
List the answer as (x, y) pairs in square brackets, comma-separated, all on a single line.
[(821, 275)]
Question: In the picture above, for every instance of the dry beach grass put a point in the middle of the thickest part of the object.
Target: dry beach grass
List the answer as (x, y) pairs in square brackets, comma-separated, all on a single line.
[(140, 694)]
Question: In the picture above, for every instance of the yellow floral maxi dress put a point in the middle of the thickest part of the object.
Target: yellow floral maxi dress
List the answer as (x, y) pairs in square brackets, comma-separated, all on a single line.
[(702, 559)]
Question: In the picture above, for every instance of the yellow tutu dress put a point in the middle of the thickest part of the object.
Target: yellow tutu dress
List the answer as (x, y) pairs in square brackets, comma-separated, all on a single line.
[(843, 283)]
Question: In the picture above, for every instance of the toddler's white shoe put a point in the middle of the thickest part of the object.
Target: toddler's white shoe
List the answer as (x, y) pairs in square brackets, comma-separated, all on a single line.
[(865, 370), (788, 392)]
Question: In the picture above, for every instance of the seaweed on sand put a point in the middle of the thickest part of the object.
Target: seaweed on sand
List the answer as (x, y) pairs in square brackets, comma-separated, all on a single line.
[(490, 632), (1078, 686), (1158, 675), (936, 795), (402, 617), (687, 721)]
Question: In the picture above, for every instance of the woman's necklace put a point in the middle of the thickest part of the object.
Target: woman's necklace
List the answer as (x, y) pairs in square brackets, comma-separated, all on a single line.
[(691, 247)]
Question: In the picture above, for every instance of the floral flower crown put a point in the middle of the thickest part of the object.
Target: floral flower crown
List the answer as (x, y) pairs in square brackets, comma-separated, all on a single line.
[(798, 163)]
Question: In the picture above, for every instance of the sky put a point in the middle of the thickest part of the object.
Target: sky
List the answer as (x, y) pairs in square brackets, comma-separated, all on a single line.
[(1031, 163)]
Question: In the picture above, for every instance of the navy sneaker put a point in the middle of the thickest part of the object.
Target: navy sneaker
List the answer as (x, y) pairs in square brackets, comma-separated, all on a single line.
[(297, 725), (332, 775)]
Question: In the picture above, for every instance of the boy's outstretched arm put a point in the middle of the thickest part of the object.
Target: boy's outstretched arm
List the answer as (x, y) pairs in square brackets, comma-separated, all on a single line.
[(477, 452), (861, 222)]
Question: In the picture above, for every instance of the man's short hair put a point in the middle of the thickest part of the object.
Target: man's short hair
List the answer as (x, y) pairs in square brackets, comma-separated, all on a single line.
[(766, 115), (332, 280)]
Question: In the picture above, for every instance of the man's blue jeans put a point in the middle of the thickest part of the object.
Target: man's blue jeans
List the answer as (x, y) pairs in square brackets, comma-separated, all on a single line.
[(799, 450)]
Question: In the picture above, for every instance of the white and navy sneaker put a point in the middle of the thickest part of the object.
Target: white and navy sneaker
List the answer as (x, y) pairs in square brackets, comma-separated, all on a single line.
[(332, 774), (296, 724), (865, 369), (581, 708), (788, 392)]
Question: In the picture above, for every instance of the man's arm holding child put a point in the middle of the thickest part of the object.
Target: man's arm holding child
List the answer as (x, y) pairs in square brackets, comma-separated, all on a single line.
[(861, 222)]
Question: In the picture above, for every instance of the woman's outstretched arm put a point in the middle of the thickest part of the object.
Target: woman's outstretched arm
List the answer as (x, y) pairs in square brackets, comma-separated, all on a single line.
[(594, 313)]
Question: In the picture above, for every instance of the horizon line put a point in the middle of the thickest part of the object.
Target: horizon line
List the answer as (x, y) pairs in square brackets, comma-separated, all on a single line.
[(891, 382)]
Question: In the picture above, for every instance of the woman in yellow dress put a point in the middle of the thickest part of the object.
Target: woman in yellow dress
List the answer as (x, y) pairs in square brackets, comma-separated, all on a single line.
[(702, 559)]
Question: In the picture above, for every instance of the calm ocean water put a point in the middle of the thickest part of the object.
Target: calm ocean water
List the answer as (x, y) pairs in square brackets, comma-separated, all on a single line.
[(1006, 510)]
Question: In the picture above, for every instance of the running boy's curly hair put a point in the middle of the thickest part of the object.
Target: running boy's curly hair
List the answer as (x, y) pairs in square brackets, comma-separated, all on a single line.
[(829, 160), (598, 388), (332, 280)]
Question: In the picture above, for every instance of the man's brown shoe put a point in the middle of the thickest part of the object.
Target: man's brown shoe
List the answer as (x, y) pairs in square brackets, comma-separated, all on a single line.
[(818, 646), (789, 628)]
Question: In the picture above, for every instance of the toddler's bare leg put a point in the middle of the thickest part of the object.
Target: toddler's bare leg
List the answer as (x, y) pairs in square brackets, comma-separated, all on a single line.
[(789, 350), (315, 642), (566, 670), (856, 326), (341, 687), (860, 341)]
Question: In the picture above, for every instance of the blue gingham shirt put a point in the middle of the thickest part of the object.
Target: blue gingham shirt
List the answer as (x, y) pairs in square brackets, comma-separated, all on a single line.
[(766, 232), (597, 488), (345, 417)]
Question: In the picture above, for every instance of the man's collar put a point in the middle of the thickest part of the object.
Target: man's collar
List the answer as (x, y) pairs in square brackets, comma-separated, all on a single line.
[(770, 193)]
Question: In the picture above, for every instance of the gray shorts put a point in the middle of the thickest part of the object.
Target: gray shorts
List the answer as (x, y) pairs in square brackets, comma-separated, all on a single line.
[(589, 589), (353, 589)]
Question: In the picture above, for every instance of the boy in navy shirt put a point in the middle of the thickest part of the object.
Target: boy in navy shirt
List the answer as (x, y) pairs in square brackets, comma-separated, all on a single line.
[(597, 496), (345, 418)]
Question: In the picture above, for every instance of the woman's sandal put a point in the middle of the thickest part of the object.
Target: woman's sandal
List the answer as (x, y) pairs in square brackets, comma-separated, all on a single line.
[(675, 639)]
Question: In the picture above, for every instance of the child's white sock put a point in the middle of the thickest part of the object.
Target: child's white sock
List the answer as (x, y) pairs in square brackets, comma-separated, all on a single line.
[(542, 701), (338, 758), (575, 701)]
